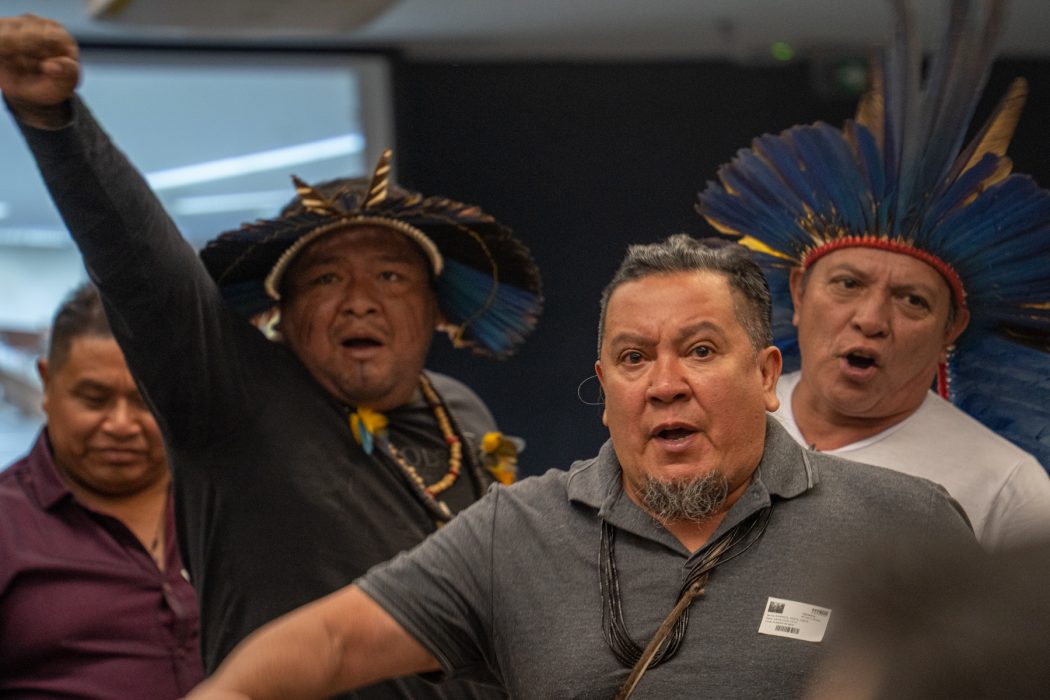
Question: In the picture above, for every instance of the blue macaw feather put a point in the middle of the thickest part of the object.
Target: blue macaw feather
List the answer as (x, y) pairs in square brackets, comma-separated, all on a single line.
[(902, 83), (752, 181), (782, 157), (367, 441), (757, 177), (499, 315), (827, 155), (953, 87), (1009, 212), (868, 158), (1016, 377), (734, 214), (967, 185)]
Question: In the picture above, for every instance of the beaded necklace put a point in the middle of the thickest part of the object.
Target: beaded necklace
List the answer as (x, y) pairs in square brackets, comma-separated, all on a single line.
[(369, 426)]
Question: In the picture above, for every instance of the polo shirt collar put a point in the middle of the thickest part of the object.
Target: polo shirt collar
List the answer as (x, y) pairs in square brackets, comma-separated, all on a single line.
[(595, 482), (598, 484), (785, 471), (786, 468)]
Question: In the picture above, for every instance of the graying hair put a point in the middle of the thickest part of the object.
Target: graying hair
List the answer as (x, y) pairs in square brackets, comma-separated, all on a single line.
[(683, 253), (694, 500)]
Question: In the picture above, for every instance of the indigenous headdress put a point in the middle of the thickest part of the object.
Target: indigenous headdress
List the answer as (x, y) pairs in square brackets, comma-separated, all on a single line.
[(487, 284), (898, 177)]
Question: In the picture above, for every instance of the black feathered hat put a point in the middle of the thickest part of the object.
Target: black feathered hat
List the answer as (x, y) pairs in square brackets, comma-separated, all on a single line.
[(487, 284)]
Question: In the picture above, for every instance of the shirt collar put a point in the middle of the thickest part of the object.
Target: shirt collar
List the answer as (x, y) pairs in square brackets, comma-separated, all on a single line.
[(785, 469), (591, 481), (45, 482)]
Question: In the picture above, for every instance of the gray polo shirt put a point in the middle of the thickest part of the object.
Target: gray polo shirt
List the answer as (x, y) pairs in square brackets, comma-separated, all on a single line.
[(510, 588)]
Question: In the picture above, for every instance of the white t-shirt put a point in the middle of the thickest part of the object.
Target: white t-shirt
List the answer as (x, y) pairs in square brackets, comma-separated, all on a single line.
[(1003, 489)]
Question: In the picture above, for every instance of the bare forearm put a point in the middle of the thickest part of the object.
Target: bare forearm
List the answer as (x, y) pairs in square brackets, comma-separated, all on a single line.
[(338, 643), (293, 657)]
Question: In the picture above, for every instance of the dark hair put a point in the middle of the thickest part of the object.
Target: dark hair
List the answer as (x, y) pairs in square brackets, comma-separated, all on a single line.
[(683, 253), (80, 313)]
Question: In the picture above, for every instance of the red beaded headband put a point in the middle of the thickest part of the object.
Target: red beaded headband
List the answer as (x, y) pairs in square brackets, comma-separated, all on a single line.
[(946, 270)]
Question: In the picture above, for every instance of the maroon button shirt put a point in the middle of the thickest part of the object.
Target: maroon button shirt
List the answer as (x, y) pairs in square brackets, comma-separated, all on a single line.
[(84, 610)]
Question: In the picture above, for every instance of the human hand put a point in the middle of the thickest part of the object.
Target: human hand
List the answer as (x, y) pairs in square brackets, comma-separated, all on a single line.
[(39, 69)]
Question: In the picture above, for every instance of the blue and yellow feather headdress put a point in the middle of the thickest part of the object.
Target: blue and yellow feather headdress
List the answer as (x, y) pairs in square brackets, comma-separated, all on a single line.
[(487, 284), (901, 176)]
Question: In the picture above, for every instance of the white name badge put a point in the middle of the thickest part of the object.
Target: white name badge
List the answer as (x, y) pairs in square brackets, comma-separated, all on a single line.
[(787, 618)]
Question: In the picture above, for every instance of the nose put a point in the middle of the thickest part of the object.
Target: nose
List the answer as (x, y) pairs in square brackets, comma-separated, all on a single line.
[(122, 420), (359, 297), (871, 315), (667, 382)]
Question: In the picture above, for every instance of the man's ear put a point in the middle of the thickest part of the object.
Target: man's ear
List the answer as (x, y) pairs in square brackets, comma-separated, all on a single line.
[(770, 364), (45, 378), (601, 381), (797, 283), (962, 320)]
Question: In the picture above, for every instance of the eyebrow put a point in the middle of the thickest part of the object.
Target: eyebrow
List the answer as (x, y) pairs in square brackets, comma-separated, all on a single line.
[(333, 259), (846, 267), (319, 261), (631, 338), (907, 287), (694, 329), (628, 338), (92, 385)]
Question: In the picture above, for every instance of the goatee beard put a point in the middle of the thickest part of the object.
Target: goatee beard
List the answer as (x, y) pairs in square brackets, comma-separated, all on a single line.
[(694, 500)]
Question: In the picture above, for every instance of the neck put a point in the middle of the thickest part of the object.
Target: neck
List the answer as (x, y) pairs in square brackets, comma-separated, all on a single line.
[(694, 535), (824, 428), (143, 512), (395, 397), (124, 505)]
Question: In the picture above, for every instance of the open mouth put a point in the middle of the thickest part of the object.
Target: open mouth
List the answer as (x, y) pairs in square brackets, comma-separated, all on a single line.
[(355, 343), (860, 361), (674, 433)]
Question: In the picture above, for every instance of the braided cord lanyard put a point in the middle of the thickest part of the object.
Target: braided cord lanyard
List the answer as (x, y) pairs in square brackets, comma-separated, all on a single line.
[(669, 635)]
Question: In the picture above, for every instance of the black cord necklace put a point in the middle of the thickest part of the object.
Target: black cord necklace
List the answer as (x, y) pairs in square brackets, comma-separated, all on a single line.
[(664, 644)]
